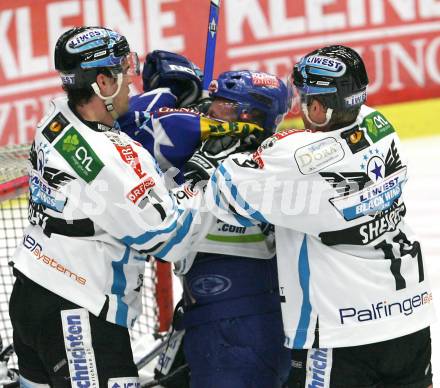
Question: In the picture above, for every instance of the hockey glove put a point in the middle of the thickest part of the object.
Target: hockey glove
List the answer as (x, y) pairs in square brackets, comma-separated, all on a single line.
[(202, 164), (164, 69)]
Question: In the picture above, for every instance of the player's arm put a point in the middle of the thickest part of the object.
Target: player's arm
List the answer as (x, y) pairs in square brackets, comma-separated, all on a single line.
[(134, 206), (256, 187)]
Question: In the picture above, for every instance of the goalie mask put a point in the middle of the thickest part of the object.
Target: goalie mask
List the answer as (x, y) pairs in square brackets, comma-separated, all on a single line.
[(254, 95), (82, 53), (336, 75)]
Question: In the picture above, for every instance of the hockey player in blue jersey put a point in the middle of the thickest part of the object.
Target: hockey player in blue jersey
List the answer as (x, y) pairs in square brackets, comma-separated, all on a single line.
[(234, 335), (158, 118)]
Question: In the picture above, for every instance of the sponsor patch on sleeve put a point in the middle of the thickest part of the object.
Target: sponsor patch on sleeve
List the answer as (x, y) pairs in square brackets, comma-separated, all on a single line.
[(318, 155), (377, 126), (52, 130), (79, 154)]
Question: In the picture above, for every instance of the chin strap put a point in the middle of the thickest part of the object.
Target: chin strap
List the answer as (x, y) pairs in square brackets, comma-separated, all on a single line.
[(328, 116), (108, 101)]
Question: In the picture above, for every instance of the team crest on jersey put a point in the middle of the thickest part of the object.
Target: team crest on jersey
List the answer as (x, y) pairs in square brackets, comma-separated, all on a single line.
[(373, 189), (45, 181)]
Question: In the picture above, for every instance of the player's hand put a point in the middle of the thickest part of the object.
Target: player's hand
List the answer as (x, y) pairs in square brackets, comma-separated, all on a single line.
[(213, 151)]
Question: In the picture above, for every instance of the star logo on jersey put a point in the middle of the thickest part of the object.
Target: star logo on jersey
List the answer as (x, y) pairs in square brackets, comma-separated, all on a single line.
[(373, 190)]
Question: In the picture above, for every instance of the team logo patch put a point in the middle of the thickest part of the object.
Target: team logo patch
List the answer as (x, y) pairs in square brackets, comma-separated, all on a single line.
[(79, 154), (264, 79), (318, 155), (210, 285), (79, 350), (374, 189), (55, 127)]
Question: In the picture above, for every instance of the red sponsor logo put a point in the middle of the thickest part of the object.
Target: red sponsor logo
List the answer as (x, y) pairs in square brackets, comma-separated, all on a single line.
[(264, 79), (140, 190), (130, 156), (256, 156), (287, 132)]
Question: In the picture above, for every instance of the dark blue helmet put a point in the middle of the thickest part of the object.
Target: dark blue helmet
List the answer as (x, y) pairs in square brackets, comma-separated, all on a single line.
[(251, 90), (336, 74)]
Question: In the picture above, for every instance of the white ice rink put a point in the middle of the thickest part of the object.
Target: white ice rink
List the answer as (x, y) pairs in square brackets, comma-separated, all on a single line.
[(423, 203)]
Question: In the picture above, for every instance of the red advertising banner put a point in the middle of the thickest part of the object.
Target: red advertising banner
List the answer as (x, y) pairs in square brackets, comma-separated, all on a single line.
[(399, 40)]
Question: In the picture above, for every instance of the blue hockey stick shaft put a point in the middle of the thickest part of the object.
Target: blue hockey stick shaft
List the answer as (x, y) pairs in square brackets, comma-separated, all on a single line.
[(211, 39)]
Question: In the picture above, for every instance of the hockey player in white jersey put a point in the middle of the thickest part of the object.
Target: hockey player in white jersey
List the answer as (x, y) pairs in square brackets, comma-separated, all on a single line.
[(98, 205), (355, 292)]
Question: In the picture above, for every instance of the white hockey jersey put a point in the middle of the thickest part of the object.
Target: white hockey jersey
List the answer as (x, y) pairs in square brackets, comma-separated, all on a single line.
[(351, 271), (98, 206)]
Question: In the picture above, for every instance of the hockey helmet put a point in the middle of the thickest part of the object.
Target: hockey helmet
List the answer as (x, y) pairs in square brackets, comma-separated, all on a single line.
[(251, 90), (334, 73), (82, 52)]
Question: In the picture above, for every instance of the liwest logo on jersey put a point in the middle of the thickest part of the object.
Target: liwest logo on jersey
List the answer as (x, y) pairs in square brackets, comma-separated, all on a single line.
[(44, 181), (374, 190), (79, 154), (79, 350), (383, 309)]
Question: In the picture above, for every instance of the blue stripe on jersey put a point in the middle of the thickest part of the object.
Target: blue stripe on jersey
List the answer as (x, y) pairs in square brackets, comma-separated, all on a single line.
[(147, 236), (118, 288), (180, 235), (255, 214), (218, 201), (306, 308)]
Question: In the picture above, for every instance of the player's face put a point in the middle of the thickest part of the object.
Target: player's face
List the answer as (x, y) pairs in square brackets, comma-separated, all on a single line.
[(122, 98), (223, 109)]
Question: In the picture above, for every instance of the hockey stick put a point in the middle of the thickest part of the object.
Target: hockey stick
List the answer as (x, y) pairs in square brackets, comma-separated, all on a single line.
[(211, 39)]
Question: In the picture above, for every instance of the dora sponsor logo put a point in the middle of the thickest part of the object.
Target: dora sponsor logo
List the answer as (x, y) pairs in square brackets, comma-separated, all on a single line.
[(37, 250)]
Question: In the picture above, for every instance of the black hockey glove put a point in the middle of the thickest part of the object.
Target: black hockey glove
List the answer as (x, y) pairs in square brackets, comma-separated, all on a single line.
[(213, 151), (164, 69)]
